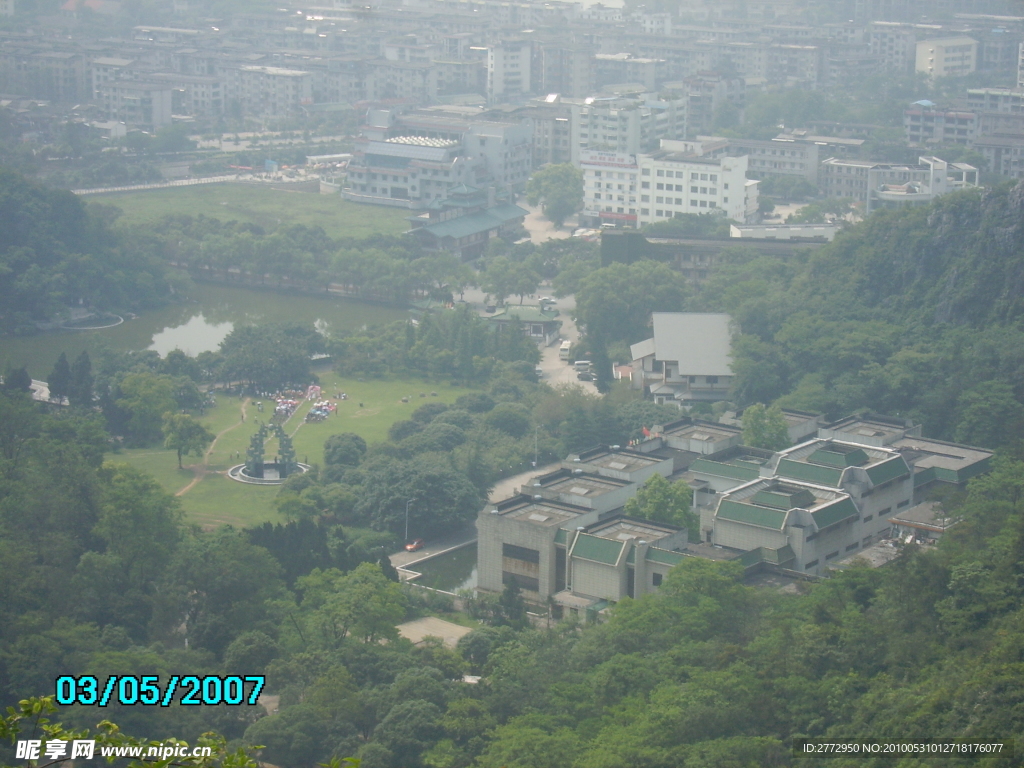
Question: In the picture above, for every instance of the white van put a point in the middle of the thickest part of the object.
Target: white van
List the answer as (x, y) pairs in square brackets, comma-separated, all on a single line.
[(582, 365)]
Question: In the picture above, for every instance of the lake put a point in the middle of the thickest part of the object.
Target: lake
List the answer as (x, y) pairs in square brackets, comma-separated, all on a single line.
[(197, 326)]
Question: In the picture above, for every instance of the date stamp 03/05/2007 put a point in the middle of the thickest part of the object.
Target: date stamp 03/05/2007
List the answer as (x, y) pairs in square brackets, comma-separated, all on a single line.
[(147, 690)]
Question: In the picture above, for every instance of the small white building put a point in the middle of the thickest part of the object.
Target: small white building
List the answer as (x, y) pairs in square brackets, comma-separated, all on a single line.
[(947, 56), (784, 231)]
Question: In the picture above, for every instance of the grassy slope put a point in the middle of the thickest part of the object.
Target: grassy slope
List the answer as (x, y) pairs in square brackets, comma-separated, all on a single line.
[(216, 500), (263, 206)]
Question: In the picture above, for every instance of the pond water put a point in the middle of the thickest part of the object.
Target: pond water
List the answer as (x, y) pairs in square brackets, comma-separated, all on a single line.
[(450, 571), (194, 327)]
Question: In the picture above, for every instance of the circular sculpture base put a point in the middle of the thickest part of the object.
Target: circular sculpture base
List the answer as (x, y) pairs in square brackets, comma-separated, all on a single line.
[(270, 475)]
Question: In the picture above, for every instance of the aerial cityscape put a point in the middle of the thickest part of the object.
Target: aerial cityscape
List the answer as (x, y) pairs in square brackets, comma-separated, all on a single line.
[(511, 383)]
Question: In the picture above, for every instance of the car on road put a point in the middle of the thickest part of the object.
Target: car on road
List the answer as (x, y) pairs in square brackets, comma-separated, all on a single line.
[(546, 300), (585, 376), (415, 544)]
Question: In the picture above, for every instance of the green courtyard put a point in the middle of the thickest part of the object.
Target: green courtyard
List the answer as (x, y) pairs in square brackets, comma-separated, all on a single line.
[(211, 499)]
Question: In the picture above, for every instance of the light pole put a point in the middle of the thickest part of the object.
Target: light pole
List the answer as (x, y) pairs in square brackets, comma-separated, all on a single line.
[(535, 431), (410, 501)]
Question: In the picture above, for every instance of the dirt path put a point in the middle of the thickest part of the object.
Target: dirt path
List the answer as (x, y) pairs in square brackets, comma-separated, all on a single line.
[(200, 471)]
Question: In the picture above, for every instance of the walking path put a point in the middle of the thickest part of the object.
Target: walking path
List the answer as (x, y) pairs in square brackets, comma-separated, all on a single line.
[(199, 470)]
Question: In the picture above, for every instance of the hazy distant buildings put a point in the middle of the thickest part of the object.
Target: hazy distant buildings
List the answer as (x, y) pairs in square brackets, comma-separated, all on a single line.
[(894, 185), (509, 70), (947, 57)]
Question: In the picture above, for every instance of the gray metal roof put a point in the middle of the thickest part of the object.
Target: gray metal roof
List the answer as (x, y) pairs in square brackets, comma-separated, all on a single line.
[(700, 342)]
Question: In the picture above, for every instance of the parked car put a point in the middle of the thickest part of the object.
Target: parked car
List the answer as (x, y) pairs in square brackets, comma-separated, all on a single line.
[(415, 544), (585, 376)]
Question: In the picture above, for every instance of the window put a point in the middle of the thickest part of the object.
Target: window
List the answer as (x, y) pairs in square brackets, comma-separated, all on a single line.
[(711, 379), (661, 173), (884, 512), (902, 504), (693, 203), (811, 564), (725, 186), (659, 213), (703, 203), (520, 553), (659, 199), (703, 177), (712, 204), (868, 518), (714, 177), (656, 579), (694, 177), (694, 189), (597, 195), (660, 186), (713, 191), (852, 546), (703, 190), (597, 174), (645, 185), (645, 211), (725, 199), (645, 172), (523, 582), (831, 555), (645, 198)]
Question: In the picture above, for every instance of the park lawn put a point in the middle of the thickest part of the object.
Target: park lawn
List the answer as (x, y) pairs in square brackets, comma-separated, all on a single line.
[(158, 462), (263, 206), (216, 500)]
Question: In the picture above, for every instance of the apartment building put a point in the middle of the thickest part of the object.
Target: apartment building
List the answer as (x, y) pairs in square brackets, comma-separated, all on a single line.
[(194, 94), (925, 123), (270, 91), (610, 188), (624, 124), (509, 71), (137, 103), (947, 56), (674, 181)]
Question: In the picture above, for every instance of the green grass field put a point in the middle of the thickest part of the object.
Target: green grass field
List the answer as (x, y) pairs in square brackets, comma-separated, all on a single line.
[(217, 500), (263, 206)]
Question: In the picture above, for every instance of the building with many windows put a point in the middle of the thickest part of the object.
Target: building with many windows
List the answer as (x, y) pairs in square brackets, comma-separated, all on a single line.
[(947, 56), (893, 185)]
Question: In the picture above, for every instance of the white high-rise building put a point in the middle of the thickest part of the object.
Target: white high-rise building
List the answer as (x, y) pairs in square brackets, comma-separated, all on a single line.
[(508, 70)]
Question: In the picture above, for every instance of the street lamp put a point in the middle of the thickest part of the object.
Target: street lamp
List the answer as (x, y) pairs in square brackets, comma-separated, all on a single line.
[(410, 501), (536, 430)]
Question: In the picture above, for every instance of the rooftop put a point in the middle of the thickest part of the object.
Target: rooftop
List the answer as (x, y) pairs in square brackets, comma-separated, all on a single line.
[(617, 460), (543, 512), (627, 528), (581, 484), (824, 462)]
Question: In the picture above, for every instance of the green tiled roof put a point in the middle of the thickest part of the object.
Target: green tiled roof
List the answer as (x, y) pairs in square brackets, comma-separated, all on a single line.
[(664, 556), (810, 473), (840, 459), (751, 515), (888, 470), (474, 223), (724, 470), (595, 548), (784, 499), (527, 314), (836, 512)]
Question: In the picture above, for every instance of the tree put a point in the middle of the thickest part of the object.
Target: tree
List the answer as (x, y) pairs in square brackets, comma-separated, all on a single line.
[(559, 190), (765, 427), (184, 434), (145, 397), (990, 415), (80, 388), (346, 448), (17, 379), (60, 379), (664, 502)]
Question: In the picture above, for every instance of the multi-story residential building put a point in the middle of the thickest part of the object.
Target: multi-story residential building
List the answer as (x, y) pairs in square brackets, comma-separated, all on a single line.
[(1003, 154), (107, 69), (688, 359), (563, 68), (59, 76), (706, 94), (895, 45), (784, 156), (887, 185), (624, 124), (194, 94), (271, 91), (618, 68), (509, 75), (1007, 100), (138, 103), (947, 56), (674, 182), (925, 123)]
